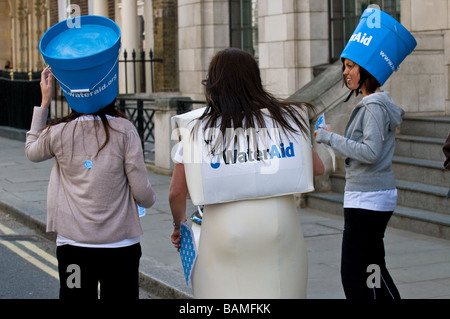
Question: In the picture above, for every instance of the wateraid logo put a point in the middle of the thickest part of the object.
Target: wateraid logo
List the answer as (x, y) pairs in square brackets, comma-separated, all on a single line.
[(373, 21), (356, 37), (215, 161), (233, 157)]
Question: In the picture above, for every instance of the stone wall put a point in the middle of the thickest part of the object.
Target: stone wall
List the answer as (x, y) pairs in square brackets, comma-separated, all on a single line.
[(293, 39), (421, 86), (203, 30)]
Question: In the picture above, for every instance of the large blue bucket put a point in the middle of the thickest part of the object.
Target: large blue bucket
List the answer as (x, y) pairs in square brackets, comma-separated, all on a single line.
[(379, 44), (84, 58)]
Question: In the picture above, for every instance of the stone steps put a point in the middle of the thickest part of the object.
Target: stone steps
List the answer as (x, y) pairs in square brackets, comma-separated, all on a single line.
[(437, 127), (412, 219), (428, 148), (420, 171), (421, 180)]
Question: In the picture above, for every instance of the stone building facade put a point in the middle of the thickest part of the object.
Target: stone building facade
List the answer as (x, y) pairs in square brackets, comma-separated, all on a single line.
[(293, 40), (422, 83), (22, 25)]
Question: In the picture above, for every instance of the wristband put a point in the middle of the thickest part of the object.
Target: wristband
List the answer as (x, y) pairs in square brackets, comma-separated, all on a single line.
[(175, 225)]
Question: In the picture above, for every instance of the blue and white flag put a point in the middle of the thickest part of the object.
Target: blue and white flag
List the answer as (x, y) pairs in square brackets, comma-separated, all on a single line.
[(188, 250), (320, 122), (141, 211)]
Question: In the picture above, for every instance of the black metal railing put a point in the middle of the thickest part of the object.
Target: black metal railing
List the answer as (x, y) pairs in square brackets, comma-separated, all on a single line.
[(187, 105), (13, 75), (19, 92), (140, 111), (59, 107), (139, 63)]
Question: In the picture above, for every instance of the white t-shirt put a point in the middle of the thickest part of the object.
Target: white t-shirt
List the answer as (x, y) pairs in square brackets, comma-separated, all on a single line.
[(61, 240), (384, 200), (178, 156)]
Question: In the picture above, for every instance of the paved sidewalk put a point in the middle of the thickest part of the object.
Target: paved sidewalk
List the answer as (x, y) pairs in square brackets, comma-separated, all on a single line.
[(420, 265)]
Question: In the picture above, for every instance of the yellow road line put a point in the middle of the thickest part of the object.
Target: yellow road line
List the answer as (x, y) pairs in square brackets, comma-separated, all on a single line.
[(51, 259), (5, 230), (30, 259), (38, 251), (32, 247)]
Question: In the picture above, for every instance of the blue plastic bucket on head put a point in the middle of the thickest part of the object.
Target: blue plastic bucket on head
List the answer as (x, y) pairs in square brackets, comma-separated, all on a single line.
[(379, 44), (84, 58)]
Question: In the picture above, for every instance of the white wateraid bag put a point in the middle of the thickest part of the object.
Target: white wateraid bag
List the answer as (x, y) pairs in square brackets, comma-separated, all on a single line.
[(261, 163)]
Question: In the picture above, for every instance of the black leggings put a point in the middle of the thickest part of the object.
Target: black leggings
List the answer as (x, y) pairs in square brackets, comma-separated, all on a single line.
[(363, 246), (81, 269)]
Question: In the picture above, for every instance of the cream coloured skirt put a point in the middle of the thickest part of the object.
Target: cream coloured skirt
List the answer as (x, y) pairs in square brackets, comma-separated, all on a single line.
[(251, 249)]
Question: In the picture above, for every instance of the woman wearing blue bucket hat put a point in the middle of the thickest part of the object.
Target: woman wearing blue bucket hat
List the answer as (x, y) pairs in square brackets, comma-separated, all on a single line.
[(373, 53), (96, 184)]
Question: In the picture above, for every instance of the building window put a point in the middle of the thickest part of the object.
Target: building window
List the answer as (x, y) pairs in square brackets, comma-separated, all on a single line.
[(344, 17), (244, 25)]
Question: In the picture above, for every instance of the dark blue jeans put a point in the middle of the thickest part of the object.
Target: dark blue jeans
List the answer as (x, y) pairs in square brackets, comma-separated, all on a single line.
[(363, 246)]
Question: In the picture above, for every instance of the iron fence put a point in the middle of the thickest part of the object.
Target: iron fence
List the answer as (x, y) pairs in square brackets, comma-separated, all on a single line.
[(140, 111), (139, 64), (19, 92), (18, 96), (186, 105)]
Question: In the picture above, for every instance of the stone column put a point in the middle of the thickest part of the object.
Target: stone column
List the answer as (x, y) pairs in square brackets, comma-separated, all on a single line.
[(41, 24), (165, 109), (130, 40), (99, 8), (292, 40), (421, 85), (203, 30), (149, 43), (165, 26)]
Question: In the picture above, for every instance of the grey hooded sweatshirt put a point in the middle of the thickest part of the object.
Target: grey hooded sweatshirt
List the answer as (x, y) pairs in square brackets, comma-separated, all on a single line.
[(368, 143)]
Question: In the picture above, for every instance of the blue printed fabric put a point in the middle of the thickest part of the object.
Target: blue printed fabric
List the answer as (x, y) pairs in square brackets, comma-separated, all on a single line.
[(188, 252)]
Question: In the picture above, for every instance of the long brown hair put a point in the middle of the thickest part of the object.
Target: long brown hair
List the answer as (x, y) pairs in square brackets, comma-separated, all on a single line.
[(109, 110), (235, 95)]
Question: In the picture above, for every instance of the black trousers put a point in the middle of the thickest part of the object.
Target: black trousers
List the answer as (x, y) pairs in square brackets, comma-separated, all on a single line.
[(81, 269), (363, 268)]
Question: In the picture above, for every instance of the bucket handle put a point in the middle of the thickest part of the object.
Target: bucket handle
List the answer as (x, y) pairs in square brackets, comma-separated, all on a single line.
[(83, 90), (398, 47)]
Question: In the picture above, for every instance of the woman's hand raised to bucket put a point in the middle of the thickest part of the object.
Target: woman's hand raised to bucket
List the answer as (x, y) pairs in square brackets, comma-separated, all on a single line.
[(46, 87)]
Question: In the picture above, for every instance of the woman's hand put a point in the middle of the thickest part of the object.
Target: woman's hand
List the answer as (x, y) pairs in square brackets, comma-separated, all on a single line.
[(46, 87), (327, 128), (176, 238)]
